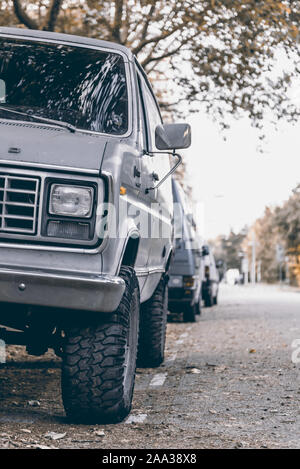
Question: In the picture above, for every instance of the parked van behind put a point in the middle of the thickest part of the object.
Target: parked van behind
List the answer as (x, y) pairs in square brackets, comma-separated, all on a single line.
[(185, 271), (210, 278), (85, 213)]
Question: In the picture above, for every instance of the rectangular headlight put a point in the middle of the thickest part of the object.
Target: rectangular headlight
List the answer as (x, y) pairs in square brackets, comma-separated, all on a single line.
[(71, 201), (175, 281)]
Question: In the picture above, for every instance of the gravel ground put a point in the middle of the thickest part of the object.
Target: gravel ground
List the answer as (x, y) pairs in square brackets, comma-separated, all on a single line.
[(228, 382)]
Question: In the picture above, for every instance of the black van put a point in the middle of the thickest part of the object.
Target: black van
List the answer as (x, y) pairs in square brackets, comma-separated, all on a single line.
[(185, 268)]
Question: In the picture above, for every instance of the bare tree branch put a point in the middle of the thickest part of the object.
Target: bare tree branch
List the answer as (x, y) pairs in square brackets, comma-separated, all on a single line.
[(155, 39), (116, 30), (22, 15), (53, 14), (229, 46), (148, 20), (170, 51)]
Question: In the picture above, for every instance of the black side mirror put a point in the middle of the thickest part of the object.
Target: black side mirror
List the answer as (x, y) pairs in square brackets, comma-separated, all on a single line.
[(205, 251), (172, 136)]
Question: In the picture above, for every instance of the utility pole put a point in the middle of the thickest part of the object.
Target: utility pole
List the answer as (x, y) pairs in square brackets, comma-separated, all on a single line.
[(244, 266), (280, 257), (258, 276), (253, 261)]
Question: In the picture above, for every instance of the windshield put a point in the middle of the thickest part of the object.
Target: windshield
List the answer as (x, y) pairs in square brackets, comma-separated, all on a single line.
[(84, 87)]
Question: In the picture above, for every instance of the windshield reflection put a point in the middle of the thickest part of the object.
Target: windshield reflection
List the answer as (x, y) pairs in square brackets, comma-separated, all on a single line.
[(84, 87)]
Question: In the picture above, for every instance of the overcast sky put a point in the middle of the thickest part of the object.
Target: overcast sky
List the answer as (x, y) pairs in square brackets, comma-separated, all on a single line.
[(232, 179)]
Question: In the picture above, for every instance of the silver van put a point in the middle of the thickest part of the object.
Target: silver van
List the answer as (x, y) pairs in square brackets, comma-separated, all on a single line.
[(85, 213)]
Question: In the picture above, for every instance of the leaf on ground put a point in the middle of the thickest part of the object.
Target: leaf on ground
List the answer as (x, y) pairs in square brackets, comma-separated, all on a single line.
[(34, 403), (55, 436), (38, 446), (195, 371)]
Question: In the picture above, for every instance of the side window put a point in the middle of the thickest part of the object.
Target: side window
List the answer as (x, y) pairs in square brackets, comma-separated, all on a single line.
[(2, 91), (142, 123), (152, 115)]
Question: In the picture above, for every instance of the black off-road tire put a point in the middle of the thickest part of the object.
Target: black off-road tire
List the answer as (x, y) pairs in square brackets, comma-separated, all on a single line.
[(153, 325), (99, 361), (189, 314)]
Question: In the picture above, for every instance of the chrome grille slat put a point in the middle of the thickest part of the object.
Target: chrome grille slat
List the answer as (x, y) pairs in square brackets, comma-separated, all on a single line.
[(18, 191), (17, 204), (20, 215)]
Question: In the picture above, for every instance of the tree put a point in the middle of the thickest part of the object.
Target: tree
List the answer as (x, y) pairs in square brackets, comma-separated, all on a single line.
[(267, 238), (221, 52), (228, 249), (287, 218), (278, 227)]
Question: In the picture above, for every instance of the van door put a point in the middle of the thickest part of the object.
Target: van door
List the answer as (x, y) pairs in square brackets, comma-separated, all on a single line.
[(154, 167)]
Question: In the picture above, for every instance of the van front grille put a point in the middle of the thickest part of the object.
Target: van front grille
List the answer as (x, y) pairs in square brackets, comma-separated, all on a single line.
[(19, 199)]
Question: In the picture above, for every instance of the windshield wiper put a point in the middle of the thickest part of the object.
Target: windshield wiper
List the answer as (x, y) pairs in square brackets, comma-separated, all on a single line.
[(47, 120)]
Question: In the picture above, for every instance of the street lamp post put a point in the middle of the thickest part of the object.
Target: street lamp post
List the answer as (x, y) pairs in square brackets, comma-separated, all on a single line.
[(280, 257), (244, 266), (253, 260)]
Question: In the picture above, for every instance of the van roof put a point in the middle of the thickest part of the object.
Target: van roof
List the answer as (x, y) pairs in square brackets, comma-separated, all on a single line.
[(64, 38)]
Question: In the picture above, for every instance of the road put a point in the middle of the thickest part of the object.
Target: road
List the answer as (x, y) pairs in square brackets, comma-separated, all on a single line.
[(228, 382)]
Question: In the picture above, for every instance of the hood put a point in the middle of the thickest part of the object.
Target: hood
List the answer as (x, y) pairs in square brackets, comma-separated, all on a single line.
[(41, 144)]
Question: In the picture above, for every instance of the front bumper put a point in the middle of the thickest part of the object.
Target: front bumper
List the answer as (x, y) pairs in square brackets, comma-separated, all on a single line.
[(181, 294), (179, 299), (60, 289)]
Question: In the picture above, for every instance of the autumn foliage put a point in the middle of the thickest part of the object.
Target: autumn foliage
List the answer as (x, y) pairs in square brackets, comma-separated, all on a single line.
[(277, 243), (217, 53)]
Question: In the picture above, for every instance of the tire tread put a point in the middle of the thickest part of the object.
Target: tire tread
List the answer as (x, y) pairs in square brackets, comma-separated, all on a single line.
[(93, 359)]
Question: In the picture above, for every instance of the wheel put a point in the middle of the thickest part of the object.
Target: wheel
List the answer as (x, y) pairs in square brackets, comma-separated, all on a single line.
[(215, 300), (153, 325), (99, 361), (189, 314), (208, 300)]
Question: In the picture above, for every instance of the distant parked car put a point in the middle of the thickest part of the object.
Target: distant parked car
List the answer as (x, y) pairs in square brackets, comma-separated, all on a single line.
[(232, 276), (185, 268), (210, 278)]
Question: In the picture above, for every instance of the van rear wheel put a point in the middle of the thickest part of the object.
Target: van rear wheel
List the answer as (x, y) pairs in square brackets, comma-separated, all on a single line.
[(153, 325), (99, 361), (198, 308), (189, 314), (208, 300)]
